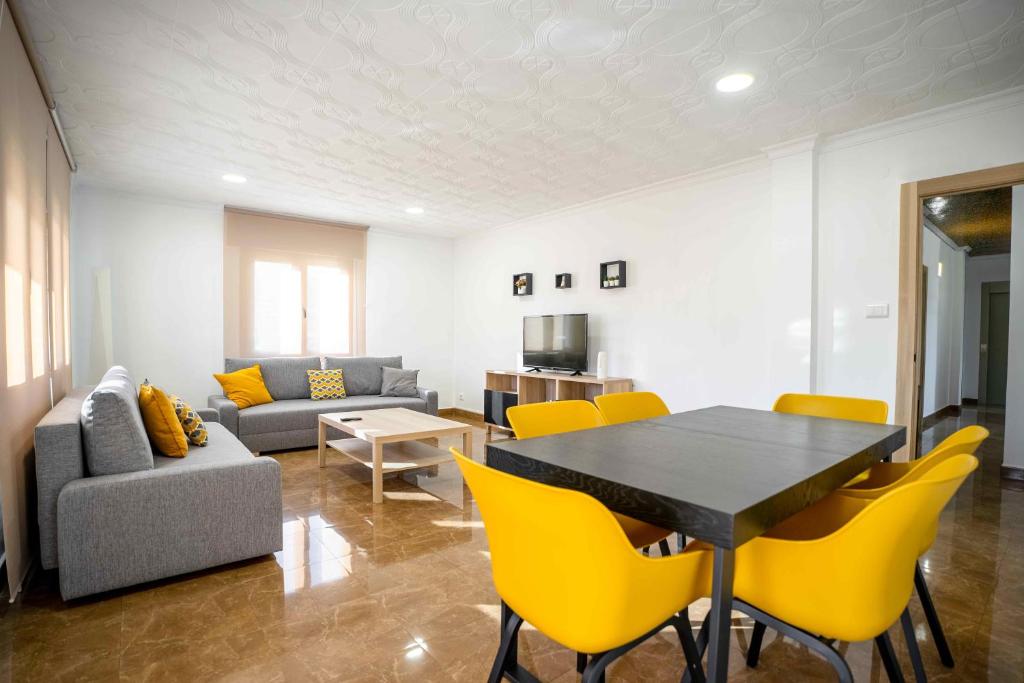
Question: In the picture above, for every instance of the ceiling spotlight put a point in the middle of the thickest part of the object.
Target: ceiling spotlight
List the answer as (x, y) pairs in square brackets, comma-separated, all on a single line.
[(415, 210), (233, 178), (734, 82)]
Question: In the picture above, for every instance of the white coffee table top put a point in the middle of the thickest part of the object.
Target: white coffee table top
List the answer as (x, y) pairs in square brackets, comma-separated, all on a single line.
[(386, 425)]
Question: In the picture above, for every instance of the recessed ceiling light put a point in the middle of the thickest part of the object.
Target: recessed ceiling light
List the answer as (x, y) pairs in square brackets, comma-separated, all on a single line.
[(415, 210), (734, 82), (233, 178)]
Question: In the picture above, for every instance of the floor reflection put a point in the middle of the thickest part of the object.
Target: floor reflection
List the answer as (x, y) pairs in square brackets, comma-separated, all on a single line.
[(402, 591)]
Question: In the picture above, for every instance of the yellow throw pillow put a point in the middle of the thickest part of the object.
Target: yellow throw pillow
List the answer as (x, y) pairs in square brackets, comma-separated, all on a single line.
[(325, 384), (190, 421), (161, 422), (245, 387)]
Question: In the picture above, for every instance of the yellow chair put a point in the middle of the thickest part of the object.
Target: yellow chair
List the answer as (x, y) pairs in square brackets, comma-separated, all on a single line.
[(836, 407), (886, 477), (843, 569), (533, 420), (630, 406), (579, 582)]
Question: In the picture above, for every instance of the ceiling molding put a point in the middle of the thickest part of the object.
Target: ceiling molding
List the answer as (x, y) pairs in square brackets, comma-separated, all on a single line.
[(979, 106)]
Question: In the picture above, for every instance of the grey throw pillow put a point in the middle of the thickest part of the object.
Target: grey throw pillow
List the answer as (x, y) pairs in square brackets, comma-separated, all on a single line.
[(397, 382), (112, 431)]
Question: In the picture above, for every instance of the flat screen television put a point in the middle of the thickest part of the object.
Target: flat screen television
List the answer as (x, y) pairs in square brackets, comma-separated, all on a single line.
[(555, 342)]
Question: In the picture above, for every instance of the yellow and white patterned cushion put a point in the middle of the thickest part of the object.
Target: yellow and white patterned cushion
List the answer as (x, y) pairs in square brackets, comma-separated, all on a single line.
[(326, 384), (190, 421)]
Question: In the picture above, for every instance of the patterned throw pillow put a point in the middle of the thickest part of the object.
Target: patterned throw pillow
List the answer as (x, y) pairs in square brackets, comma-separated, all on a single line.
[(190, 421), (325, 384)]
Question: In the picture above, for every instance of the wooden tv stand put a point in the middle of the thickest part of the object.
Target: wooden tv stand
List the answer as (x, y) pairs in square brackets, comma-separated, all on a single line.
[(537, 387)]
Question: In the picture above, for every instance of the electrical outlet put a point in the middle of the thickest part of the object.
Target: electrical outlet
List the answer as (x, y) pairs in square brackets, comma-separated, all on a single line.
[(460, 397)]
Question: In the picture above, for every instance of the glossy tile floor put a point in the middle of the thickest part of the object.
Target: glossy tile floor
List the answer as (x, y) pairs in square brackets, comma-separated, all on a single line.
[(402, 592)]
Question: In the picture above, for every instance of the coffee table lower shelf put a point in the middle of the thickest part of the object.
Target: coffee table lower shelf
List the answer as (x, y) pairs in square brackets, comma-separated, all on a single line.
[(398, 457)]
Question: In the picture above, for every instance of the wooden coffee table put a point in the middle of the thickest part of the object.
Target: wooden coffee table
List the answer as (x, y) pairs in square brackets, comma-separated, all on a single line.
[(389, 440)]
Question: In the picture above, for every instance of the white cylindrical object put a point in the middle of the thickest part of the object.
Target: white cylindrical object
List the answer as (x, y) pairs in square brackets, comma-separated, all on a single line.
[(602, 364)]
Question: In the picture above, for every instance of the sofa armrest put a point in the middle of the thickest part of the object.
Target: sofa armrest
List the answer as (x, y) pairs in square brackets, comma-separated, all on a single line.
[(208, 414), (124, 529), (227, 412), (430, 396)]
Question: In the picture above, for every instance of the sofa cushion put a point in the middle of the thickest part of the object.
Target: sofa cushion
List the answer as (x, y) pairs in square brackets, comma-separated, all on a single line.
[(285, 377), (245, 387), (363, 376), (113, 435), (326, 384), (399, 382), (222, 446), (282, 416), (162, 425)]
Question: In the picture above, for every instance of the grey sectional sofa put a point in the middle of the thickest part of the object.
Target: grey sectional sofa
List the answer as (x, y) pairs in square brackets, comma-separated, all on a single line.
[(168, 516), (291, 420)]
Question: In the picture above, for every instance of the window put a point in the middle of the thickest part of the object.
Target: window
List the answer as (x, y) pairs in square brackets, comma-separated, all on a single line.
[(292, 287)]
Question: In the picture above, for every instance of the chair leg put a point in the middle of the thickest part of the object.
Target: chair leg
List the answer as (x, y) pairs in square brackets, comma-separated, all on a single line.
[(934, 625), (889, 661), (702, 645), (754, 650), (680, 542), (508, 648), (693, 666), (646, 550), (803, 637), (581, 662), (912, 648), (664, 547)]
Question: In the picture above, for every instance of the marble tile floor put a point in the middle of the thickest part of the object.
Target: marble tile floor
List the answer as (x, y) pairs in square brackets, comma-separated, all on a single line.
[(402, 591)]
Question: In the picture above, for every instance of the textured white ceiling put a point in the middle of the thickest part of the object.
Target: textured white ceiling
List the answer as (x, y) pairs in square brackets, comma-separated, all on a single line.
[(483, 111)]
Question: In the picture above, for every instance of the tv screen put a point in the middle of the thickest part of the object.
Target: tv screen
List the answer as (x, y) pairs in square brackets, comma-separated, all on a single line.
[(557, 342)]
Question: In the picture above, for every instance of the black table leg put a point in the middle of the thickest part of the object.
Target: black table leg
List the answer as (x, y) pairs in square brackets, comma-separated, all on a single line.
[(721, 615)]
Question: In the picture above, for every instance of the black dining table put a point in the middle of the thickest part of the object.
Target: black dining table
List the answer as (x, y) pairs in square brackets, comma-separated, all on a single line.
[(723, 475)]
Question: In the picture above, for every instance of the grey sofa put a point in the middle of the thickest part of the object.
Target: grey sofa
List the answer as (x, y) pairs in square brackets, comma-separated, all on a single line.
[(290, 421), (218, 504)]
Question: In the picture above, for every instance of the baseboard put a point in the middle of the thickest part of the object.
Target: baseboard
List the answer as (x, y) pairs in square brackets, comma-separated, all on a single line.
[(1012, 473), (969, 401), (939, 415), (460, 413)]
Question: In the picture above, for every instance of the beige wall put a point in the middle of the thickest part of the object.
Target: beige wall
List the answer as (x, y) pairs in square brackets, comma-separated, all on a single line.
[(34, 191)]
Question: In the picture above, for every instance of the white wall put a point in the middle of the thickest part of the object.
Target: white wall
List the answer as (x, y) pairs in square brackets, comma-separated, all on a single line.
[(409, 297), (693, 322), (708, 281), (859, 186), (1013, 443), (166, 319), (166, 316), (944, 324), (980, 269)]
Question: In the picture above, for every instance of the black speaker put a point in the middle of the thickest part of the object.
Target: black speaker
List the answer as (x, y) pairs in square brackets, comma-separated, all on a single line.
[(495, 405)]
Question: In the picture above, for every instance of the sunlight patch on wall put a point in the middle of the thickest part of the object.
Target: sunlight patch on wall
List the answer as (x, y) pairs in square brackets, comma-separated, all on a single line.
[(14, 325)]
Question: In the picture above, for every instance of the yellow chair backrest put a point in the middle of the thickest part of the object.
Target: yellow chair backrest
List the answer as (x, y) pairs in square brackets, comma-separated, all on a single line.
[(836, 407), (853, 583), (629, 406), (561, 562), (962, 442), (554, 417), (969, 438)]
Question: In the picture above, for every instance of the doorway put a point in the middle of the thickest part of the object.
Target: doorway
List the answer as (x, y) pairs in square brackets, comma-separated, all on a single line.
[(995, 336), (909, 352)]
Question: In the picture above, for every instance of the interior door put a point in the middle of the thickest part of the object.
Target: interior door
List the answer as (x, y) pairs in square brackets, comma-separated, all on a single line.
[(998, 337)]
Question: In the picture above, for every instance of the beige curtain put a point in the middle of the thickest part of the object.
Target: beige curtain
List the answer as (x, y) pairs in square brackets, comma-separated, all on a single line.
[(265, 252), (34, 192)]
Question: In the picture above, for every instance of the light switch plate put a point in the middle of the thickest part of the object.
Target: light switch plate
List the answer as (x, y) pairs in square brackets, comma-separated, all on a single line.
[(877, 311)]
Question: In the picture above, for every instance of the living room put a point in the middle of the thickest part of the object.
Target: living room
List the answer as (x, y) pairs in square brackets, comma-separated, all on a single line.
[(334, 240)]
